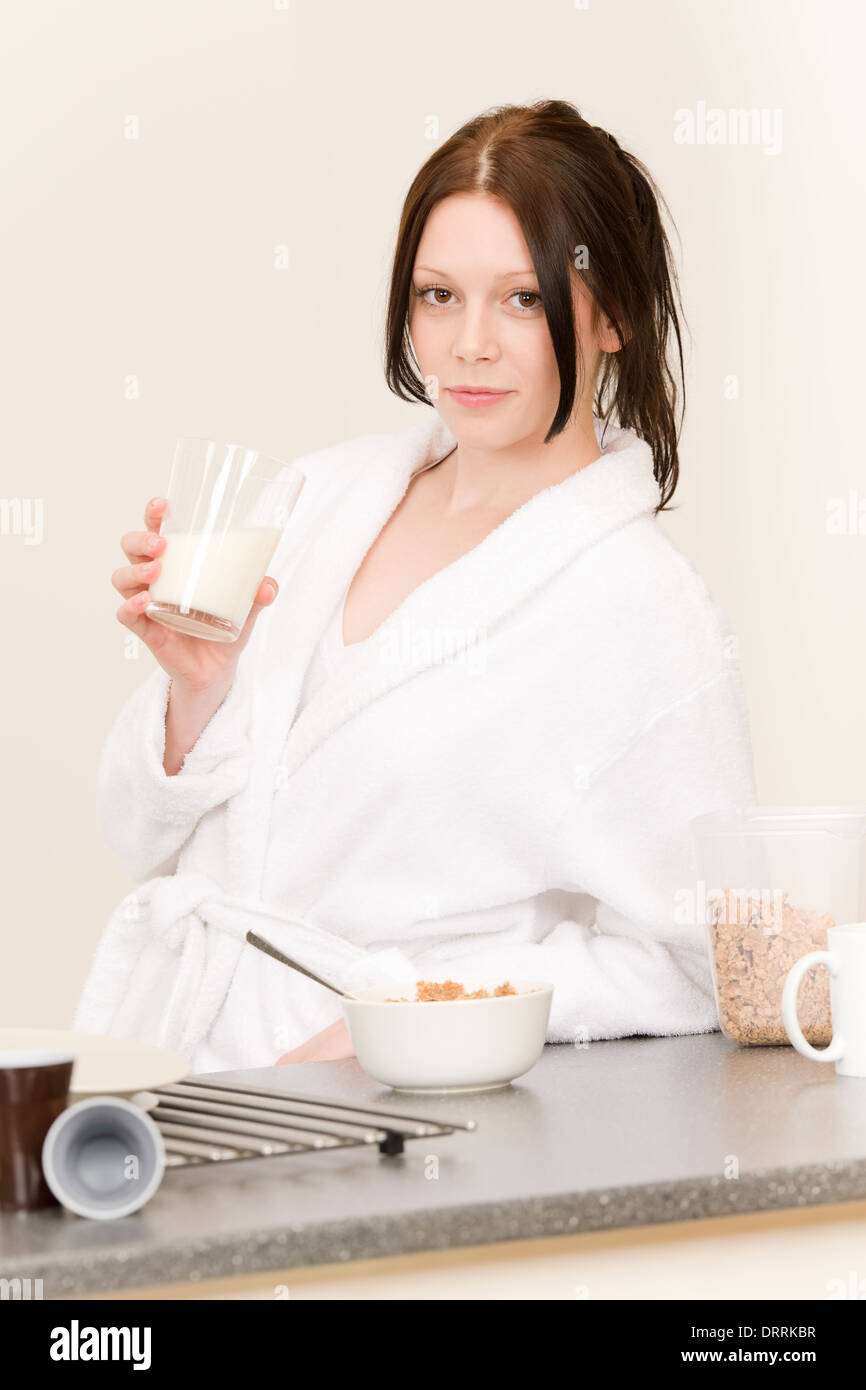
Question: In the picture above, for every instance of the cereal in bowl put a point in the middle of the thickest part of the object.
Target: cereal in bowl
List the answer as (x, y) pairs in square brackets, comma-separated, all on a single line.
[(432, 992)]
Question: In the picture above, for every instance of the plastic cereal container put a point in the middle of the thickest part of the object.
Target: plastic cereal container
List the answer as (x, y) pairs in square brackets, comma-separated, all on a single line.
[(772, 882)]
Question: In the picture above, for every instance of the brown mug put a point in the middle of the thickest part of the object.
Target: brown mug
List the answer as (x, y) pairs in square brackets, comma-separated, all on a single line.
[(34, 1089)]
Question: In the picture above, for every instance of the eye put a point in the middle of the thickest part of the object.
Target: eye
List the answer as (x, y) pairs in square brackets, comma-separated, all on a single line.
[(432, 289), (526, 294), (436, 303)]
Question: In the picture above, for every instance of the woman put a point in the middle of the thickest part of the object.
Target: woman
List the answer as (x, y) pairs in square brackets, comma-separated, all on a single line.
[(471, 734)]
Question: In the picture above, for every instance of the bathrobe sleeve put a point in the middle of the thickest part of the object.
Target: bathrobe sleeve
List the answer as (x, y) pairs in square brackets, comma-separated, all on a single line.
[(146, 817), (644, 968)]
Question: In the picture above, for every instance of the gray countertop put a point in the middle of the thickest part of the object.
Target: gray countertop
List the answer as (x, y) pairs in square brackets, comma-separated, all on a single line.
[(620, 1133)]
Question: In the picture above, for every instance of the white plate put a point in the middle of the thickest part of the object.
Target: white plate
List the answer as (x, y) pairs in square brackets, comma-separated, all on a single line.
[(103, 1066)]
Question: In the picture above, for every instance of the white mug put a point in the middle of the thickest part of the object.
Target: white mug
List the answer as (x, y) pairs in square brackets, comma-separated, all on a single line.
[(846, 962)]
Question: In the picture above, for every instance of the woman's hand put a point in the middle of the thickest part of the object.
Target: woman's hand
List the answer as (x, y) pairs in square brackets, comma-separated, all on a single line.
[(327, 1046), (193, 662)]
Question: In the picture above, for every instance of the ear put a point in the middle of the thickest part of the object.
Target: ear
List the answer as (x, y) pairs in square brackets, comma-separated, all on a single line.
[(606, 335)]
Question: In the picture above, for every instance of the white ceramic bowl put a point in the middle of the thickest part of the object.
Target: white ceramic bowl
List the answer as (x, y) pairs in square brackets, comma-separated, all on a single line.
[(453, 1045)]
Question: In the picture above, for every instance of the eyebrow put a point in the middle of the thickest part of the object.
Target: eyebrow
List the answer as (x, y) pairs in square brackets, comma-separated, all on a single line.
[(509, 274)]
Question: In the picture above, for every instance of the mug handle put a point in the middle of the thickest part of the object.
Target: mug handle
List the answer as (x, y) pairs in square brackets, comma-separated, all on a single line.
[(836, 1046)]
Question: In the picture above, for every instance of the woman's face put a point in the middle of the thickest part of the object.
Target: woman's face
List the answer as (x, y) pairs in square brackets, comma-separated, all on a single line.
[(476, 319)]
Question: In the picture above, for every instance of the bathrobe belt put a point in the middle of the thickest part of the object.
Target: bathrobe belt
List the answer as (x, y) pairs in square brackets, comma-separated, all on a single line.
[(175, 912)]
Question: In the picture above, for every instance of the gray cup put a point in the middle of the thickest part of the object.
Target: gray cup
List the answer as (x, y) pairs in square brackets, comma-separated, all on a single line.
[(103, 1157)]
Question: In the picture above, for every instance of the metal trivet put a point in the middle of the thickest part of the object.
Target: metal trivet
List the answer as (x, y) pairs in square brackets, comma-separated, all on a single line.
[(220, 1121)]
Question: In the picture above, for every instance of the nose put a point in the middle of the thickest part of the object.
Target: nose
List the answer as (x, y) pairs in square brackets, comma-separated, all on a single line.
[(474, 339)]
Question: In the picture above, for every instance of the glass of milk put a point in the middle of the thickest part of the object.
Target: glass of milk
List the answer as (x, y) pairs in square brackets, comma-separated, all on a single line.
[(227, 509)]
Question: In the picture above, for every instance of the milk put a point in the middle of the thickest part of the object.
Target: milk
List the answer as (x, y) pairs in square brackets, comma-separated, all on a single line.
[(215, 574)]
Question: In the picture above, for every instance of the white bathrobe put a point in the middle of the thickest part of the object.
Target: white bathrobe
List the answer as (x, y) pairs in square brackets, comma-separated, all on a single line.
[(498, 782)]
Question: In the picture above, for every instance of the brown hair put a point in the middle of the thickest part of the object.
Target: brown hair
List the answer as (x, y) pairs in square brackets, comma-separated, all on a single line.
[(570, 185)]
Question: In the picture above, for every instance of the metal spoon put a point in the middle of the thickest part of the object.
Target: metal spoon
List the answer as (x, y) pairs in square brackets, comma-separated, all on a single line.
[(271, 950)]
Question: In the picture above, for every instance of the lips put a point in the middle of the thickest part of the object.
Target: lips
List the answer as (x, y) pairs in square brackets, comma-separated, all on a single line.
[(474, 397)]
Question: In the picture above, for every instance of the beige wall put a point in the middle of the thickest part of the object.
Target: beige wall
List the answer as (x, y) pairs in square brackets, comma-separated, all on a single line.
[(141, 300)]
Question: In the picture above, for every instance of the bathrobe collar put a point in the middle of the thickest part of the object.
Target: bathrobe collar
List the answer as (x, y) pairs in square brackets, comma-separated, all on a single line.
[(455, 608)]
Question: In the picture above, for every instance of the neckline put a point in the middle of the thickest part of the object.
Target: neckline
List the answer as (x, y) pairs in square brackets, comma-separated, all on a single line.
[(345, 646), (467, 600), (621, 442)]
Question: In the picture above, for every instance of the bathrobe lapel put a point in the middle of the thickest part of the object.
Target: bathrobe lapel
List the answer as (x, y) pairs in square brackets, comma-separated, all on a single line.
[(458, 606)]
